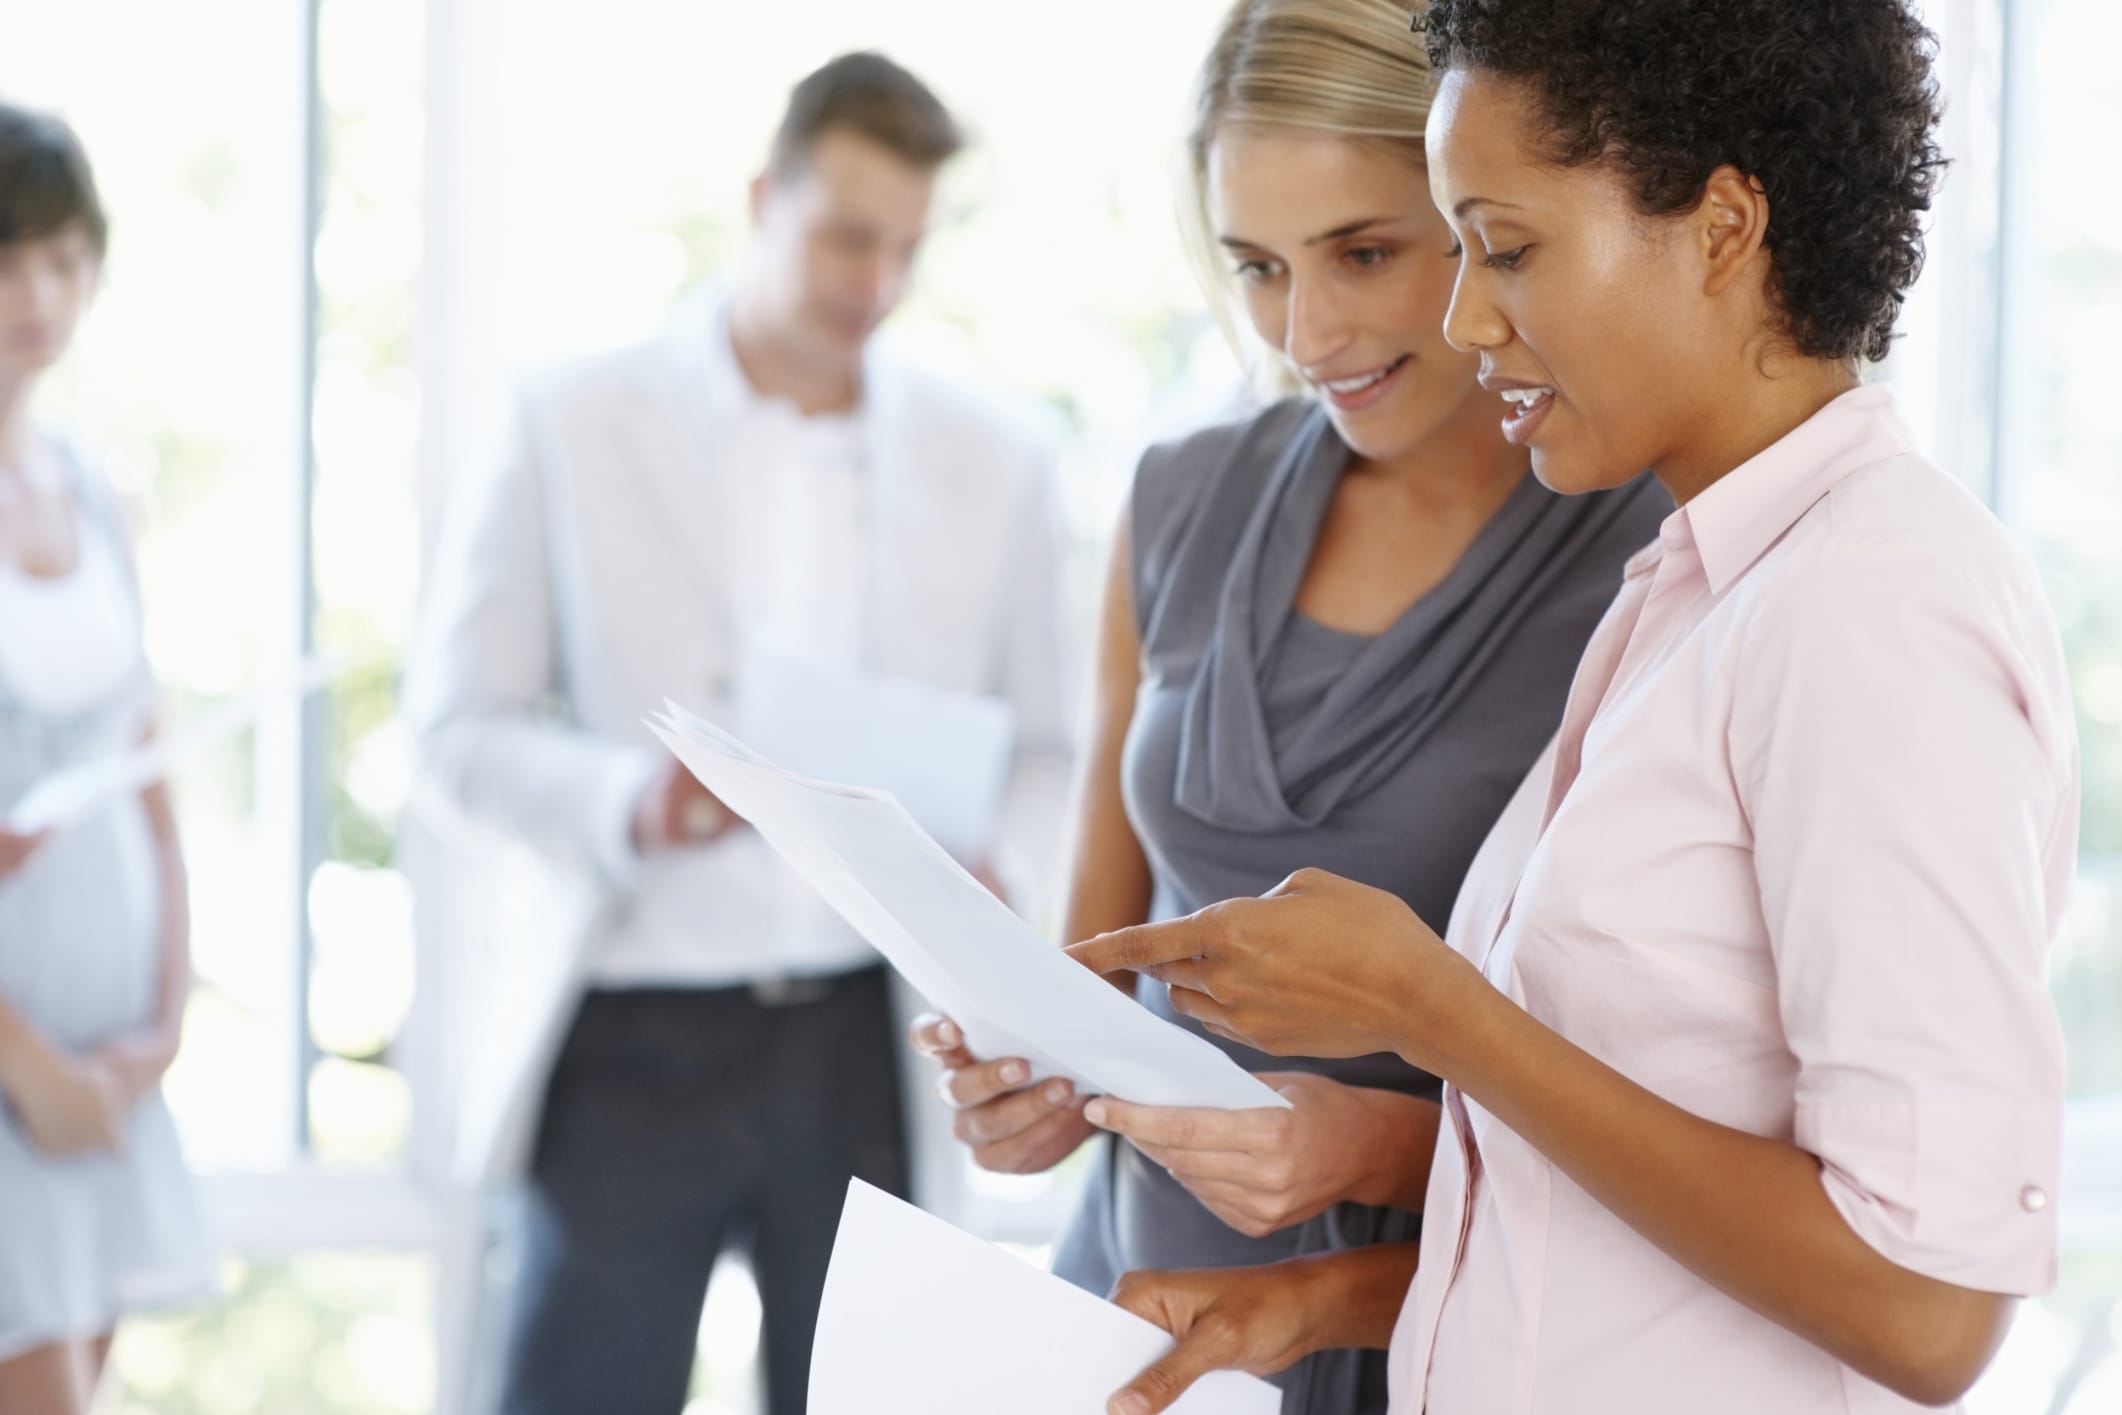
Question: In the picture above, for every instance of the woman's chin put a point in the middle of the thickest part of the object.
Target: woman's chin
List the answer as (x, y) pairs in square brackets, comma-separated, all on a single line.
[(1568, 475), (1379, 434), (29, 359)]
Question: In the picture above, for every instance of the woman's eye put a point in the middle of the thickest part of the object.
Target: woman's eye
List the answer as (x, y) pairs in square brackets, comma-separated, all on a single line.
[(1368, 256), (1508, 260), (1255, 270)]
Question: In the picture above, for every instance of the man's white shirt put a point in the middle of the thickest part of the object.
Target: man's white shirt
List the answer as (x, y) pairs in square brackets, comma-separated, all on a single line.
[(654, 515)]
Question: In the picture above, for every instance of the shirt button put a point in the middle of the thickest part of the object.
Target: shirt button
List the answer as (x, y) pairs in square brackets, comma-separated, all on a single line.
[(2033, 1198)]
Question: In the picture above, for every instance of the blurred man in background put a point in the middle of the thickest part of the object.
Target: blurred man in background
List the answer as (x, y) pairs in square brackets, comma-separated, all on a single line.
[(720, 1055)]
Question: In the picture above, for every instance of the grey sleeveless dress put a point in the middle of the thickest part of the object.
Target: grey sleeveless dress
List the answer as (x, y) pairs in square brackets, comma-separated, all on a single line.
[(85, 1240), (1263, 742)]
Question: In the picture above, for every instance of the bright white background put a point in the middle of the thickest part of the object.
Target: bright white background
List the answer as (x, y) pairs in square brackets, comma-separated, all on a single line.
[(501, 182)]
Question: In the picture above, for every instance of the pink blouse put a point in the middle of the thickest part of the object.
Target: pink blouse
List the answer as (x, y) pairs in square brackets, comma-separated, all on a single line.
[(1794, 862)]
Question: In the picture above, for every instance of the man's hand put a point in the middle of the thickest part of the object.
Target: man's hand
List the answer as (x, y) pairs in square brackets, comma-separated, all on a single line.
[(677, 812), (16, 848)]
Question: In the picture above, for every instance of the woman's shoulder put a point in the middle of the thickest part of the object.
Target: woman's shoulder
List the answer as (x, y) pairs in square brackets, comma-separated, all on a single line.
[(1227, 464), (1192, 495), (1255, 440), (84, 468), (88, 480)]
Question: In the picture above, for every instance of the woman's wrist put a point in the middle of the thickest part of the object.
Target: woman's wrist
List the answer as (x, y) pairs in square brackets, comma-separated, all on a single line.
[(1353, 1298), (1399, 1138), (156, 1043), (19, 1044), (1410, 1015), (147, 1053), (1450, 1016)]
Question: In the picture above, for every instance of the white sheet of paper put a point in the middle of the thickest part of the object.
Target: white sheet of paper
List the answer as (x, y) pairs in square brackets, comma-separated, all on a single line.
[(945, 755), (920, 1318), (1013, 993), (73, 793)]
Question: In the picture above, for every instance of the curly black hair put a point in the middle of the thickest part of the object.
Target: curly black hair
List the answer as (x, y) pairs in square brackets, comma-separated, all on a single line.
[(1830, 105)]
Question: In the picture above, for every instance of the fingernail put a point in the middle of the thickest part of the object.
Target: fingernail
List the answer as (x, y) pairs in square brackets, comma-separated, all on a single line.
[(1056, 1092), (1131, 1404), (1015, 1073), (1095, 1112), (947, 1034)]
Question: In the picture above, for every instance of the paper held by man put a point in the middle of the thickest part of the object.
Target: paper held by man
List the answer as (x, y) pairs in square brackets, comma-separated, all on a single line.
[(922, 1318), (1012, 992)]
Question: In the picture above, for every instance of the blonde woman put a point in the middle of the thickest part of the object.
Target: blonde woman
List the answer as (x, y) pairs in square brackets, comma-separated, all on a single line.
[(1338, 633)]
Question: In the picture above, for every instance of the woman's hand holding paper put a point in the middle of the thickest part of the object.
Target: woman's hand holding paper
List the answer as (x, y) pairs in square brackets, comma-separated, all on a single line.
[(1010, 1125), (1261, 1319), (1263, 1170)]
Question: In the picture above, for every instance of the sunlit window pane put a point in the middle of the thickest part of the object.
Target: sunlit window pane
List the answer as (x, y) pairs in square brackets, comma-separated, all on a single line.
[(183, 381), (366, 554)]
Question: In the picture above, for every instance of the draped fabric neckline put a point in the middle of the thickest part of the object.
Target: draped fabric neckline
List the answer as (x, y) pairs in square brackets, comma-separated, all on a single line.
[(1400, 684)]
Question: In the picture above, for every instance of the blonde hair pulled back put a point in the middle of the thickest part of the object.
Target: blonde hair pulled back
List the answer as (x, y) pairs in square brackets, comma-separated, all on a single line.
[(1339, 68)]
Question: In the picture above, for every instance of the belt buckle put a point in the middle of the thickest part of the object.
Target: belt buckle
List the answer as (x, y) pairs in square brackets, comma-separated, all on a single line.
[(782, 990)]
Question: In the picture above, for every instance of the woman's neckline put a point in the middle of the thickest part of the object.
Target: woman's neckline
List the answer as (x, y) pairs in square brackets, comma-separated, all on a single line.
[(77, 531), (1320, 626)]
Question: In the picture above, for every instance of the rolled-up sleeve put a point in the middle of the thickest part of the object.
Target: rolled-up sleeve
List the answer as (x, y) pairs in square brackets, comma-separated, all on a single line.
[(1900, 742)]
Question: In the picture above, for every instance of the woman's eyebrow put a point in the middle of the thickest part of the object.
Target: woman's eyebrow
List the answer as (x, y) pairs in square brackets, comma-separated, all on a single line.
[(1239, 243), (1349, 229), (1461, 208)]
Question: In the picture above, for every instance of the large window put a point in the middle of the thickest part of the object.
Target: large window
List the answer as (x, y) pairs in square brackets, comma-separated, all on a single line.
[(199, 375), (2059, 483), (262, 164), (185, 380)]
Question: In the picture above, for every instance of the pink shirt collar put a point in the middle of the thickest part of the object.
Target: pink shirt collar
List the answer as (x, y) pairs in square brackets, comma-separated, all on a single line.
[(1734, 522)]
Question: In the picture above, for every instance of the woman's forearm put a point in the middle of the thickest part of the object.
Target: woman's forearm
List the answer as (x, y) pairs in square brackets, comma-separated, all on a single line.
[(20, 1043), (14, 1034), (1110, 884), (137, 1060), (1746, 1213), (1403, 1136), (1356, 1294), (174, 932)]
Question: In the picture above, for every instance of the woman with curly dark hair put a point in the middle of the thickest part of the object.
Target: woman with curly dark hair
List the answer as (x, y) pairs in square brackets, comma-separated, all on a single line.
[(1754, 1087)]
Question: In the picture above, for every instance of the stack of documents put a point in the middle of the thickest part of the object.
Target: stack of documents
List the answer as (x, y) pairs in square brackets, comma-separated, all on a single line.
[(922, 1319), (1013, 993)]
